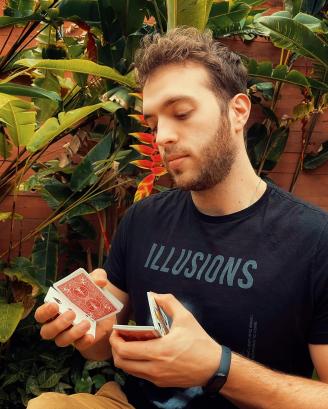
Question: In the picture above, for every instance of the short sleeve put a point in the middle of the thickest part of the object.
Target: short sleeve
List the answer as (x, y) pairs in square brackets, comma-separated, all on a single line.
[(115, 264), (319, 325)]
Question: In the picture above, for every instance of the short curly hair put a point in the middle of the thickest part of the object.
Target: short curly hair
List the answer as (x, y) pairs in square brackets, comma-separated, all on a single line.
[(228, 75)]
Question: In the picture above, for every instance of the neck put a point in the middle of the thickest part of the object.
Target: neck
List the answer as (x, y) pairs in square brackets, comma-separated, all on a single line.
[(239, 190)]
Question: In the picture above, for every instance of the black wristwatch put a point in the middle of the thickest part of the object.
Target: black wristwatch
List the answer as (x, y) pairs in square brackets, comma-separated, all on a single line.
[(220, 377)]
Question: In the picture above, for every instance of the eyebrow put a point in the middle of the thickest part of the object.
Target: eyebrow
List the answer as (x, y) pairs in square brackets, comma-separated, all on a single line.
[(169, 102)]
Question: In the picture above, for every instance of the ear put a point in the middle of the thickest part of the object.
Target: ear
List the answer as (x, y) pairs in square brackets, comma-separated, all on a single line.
[(240, 107)]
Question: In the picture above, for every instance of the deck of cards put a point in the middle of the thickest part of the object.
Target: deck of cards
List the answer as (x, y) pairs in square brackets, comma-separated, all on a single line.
[(159, 328), (77, 292)]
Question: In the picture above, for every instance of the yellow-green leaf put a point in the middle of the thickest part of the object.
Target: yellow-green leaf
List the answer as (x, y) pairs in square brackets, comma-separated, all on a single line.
[(19, 118), (53, 126), (10, 315), (82, 66), (193, 13)]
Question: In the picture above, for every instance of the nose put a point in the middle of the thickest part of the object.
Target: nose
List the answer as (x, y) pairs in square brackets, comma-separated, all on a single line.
[(166, 134)]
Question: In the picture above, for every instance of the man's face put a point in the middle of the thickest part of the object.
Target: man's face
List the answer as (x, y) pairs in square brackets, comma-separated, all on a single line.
[(192, 131)]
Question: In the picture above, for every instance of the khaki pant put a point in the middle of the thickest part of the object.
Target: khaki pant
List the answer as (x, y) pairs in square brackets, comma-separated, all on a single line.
[(109, 396)]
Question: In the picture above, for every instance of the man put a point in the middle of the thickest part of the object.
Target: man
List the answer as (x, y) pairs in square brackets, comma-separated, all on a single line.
[(246, 262)]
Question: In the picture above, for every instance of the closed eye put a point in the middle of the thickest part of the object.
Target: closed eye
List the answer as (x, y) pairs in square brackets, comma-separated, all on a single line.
[(183, 115)]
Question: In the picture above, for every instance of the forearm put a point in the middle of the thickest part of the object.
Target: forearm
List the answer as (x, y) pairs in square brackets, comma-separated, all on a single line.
[(251, 385)]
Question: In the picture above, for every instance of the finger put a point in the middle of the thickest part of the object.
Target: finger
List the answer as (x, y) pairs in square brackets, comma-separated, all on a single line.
[(84, 342), (140, 369), (46, 312), (171, 306), (135, 350), (73, 334), (60, 324), (99, 276)]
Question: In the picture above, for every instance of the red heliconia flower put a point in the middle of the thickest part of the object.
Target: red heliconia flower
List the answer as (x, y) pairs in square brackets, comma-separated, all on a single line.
[(145, 187), (144, 137), (158, 170), (143, 163), (140, 119), (145, 150), (156, 158)]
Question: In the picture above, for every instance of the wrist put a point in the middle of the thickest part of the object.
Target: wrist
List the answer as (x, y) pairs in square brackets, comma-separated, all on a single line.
[(220, 376)]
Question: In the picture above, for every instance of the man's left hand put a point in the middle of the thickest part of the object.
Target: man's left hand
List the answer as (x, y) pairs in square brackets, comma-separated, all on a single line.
[(185, 357)]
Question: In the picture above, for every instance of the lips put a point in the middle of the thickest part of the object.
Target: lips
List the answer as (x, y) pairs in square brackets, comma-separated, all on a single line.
[(171, 158)]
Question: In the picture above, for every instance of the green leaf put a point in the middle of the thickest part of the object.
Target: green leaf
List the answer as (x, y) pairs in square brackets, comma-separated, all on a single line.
[(23, 270), (84, 173), (193, 13), (19, 8), (99, 202), (281, 73), (19, 117), (82, 227), (7, 216), (48, 379), (314, 161), (293, 6), (83, 385), (99, 380), (81, 66), (278, 143), (53, 126), (314, 24), (10, 315), (45, 254), (28, 91), (129, 22), (292, 35), (235, 14)]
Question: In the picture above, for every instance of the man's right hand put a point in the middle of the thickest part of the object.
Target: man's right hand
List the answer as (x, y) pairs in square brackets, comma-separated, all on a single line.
[(59, 326)]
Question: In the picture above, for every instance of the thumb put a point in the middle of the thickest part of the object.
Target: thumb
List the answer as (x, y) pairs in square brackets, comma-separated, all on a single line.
[(99, 276), (171, 306)]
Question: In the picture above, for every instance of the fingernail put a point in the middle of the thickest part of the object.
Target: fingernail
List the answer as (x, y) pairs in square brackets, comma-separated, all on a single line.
[(69, 316)]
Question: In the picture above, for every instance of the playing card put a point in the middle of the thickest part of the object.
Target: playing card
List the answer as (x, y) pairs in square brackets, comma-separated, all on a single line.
[(64, 305), (160, 320), (81, 291), (136, 332)]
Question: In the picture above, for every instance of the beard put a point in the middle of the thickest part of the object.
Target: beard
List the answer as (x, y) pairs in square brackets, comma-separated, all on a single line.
[(215, 161)]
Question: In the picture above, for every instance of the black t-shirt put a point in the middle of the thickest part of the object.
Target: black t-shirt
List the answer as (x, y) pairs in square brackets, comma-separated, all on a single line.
[(256, 280)]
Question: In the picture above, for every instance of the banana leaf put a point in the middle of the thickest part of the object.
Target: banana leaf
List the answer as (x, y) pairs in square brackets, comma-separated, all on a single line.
[(28, 91), (19, 8), (45, 254), (53, 126), (313, 23), (10, 315), (222, 15), (84, 173), (291, 35), (81, 66), (280, 73), (193, 13), (19, 117)]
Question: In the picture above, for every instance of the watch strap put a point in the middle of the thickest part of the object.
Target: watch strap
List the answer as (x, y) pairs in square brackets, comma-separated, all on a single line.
[(219, 378)]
